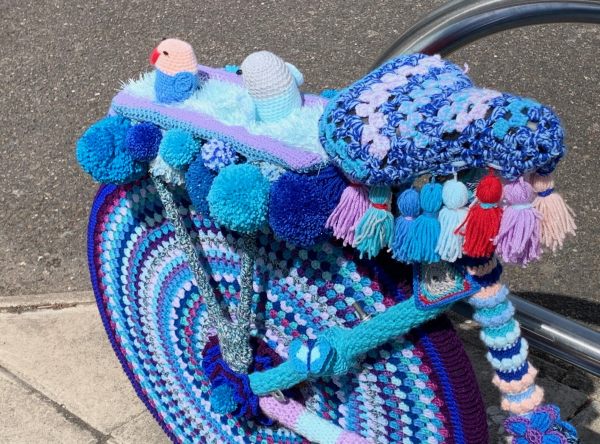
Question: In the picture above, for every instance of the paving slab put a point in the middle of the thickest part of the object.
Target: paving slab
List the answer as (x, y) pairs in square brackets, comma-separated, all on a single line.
[(27, 418), (587, 423), (141, 430), (22, 303), (65, 354)]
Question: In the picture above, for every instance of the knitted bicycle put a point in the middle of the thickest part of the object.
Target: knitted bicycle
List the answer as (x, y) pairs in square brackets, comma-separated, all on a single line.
[(272, 266)]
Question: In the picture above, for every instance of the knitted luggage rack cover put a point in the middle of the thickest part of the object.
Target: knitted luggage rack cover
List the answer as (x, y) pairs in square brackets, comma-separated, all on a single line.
[(222, 109)]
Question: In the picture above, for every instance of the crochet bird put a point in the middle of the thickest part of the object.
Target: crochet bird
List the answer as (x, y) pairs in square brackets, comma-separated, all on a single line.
[(272, 84), (176, 71)]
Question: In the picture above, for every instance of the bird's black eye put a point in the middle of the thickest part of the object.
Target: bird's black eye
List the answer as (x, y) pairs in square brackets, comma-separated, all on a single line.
[(165, 53), (239, 72), (164, 38)]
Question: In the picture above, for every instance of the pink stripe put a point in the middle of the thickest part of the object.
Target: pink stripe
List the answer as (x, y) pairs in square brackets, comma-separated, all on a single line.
[(286, 414), (351, 438)]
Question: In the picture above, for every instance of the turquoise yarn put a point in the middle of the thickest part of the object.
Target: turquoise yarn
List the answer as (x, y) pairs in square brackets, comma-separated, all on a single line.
[(178, 148), (424, 232), (222, 399), (455, 196), (102, 152), (239, 197), (375, 229), (409, 207)]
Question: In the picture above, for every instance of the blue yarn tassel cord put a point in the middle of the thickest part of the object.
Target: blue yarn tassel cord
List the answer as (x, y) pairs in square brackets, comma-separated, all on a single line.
[(424, 232), (409, 207)]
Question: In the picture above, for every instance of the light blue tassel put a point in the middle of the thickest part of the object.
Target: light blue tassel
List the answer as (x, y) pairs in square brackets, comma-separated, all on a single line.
[(375, 229), (455, 196), (409, 207), (424, 232)]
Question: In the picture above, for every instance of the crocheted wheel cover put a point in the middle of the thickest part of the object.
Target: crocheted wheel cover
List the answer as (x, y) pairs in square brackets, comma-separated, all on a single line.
[(414, 389), (419, 114)]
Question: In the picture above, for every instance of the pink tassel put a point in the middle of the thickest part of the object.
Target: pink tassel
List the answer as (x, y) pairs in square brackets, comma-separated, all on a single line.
[(557, 217), (518, 240), (351, 208)]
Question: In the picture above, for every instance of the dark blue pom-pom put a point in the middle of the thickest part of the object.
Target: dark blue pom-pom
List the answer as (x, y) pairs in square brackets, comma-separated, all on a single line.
[(300, 204), (198, 181), (143, 141)]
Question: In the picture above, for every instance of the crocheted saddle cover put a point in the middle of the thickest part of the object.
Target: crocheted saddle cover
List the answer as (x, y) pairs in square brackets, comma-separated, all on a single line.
[(273, 267)]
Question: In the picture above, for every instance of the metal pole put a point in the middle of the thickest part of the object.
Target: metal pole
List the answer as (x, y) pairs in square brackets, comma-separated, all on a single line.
[(464, 21), (448, 29)]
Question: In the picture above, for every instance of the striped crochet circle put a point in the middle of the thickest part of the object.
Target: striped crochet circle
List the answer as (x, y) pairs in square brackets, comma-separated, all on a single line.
[(412, 390)]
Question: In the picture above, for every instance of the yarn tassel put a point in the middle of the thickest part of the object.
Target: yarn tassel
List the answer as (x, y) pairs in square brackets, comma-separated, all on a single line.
[(375, 229), (482, 223), (518, 241), (424, 233), (352, 206), (557, 217), (455, 196), (409, 207)]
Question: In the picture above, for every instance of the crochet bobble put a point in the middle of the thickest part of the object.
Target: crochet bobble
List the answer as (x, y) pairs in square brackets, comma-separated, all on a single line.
[(455, 196), (482, 223), (424, 232), (351, 208), (409, 207), (519, 238), (375, 229), (557, 216)]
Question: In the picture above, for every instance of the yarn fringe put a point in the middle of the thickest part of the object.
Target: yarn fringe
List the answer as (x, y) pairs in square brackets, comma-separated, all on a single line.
[(455, 196), (374, 230), (348, 212), (558, 219), (424, 233), (409, 208)]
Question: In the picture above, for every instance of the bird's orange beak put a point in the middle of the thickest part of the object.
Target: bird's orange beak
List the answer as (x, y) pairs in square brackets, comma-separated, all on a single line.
[(154, 56)]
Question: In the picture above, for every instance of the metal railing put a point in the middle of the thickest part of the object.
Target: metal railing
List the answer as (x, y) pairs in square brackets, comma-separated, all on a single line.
[(448, 29)]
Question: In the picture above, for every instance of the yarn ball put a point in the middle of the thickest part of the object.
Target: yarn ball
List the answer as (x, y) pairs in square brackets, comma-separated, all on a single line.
[(143, 140), (102, 153), (489, 189), (198, 180), (218, 154), (455, 194), (178, 148), (408, 203), (300, 204), (238, 198), (222, 399)]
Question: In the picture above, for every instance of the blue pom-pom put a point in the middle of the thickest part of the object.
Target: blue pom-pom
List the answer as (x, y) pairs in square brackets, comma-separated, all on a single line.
[(178, 148), (329, 93), (198, 181), (409, 207), (239, 197), (143, 140), (102, 153), (424, 232), (301, 203), (222, 399)]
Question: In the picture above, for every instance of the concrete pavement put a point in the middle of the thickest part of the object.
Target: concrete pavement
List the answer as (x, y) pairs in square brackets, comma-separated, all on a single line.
[(60, 381)]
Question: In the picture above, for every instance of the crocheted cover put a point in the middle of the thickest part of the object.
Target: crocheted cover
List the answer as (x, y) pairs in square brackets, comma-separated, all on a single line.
[(415, 389), (419, 114)]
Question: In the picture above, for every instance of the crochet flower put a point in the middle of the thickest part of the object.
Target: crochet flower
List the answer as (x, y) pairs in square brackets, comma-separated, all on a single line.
[(542, 426)]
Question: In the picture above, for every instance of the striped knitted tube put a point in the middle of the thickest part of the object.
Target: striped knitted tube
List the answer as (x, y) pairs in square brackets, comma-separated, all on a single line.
[(507, 350), (294, 416)]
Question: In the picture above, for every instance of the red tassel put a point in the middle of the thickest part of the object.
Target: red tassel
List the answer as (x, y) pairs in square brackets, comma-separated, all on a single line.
[(482, 223)]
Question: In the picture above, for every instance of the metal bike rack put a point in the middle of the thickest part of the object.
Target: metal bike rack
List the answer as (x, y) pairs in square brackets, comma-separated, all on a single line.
[(448, 29)]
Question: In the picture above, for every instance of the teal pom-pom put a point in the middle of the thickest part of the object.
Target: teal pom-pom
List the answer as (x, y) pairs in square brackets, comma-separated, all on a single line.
[(198, 180), (238, 198), (409, 207), (424, 233), (222, 399), (102, 153), (455, 196), (143, 141), (376, 228), (178, 148)]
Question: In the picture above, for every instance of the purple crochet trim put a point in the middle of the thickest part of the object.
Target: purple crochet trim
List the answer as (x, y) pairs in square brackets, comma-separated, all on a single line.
[(542, 426)]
